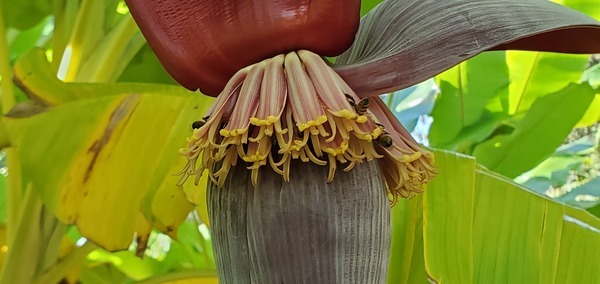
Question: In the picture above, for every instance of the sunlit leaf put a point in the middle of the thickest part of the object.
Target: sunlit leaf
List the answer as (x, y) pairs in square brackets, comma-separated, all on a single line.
[(589, 7), (481, 228), (536, 74), (592, 115), (407, 263), (448, 255), (535, 137)]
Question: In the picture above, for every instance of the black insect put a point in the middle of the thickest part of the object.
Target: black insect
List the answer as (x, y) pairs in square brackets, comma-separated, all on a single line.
[(199, 123), (360, 107)]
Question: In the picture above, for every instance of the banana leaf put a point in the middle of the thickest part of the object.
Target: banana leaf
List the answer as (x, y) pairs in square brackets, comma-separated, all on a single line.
[(98, 154), (478, 227)]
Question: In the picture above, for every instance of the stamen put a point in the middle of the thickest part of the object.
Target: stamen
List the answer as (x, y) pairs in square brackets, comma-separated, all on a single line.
[(295, 106)]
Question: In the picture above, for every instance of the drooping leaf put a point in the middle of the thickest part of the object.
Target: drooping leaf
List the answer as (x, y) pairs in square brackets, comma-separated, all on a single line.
[(536, 136), (401, 43), (115, 149)]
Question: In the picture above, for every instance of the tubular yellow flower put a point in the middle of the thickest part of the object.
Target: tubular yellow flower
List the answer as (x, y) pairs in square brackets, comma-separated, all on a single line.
[(295, 106)]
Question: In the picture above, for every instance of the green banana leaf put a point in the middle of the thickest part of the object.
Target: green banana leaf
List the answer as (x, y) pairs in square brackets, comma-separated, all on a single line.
[(478, 227)]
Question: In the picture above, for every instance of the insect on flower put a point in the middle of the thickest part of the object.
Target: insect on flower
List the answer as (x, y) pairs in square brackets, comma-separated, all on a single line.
[(361, 107)]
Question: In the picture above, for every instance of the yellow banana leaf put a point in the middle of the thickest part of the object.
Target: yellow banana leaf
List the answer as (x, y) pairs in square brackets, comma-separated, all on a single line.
[(98, 159)]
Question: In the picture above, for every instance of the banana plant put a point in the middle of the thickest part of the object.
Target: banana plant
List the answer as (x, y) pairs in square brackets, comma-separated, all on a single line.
[(109, 167), (281, 104)]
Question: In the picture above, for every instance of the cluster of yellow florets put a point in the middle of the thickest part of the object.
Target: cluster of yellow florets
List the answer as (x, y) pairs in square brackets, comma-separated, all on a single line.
[(295, 106)]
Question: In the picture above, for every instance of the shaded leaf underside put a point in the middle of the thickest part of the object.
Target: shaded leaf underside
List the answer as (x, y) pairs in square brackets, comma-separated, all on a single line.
[(401, 43)]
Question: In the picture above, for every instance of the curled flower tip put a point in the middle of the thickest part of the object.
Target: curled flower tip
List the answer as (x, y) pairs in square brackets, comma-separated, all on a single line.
[(294, 106)]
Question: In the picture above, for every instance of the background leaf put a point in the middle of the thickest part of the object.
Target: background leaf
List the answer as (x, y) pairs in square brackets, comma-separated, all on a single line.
[(536, 74), (519, 151), (24, 14), (474, 96)]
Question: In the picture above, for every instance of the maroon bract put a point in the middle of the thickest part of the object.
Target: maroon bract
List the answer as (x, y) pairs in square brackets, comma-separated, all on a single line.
[(203, 43)]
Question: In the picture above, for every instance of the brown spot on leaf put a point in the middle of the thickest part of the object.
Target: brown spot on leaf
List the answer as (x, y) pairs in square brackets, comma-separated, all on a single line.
[(122, 111), (27, 109)]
